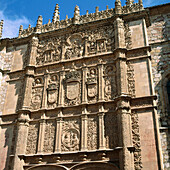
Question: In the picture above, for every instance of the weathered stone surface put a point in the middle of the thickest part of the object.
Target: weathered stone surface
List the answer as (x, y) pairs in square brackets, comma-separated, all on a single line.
[(82, 94)]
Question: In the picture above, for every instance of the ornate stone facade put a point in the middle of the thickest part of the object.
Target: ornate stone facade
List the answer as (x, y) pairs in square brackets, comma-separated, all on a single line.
[(79, 93)]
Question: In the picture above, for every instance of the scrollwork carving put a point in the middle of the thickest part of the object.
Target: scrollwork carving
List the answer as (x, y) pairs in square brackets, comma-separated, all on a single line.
[(49, 136), (32, 138), (92, 133), (136, 141), (110, 82)]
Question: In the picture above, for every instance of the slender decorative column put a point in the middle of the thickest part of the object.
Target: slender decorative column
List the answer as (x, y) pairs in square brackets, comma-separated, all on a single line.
[(44, 100), (61, 89), (125, 135), (62, 50), (58, 135), (101, 131), (84, 132), (21, 142), (84, 89), (42, 124), (85, 46), (29, 78), (101, 82)]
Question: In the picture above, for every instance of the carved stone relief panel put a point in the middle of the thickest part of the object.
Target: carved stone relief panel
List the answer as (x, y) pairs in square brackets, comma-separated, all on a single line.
[(110, 82), (74, 46), (131, 79), (70, 139), (128, 39), (92, 133), (136, 141), (92, 89), (37, 92), (52, 91), (72, 87), (49, 136), (49, 51), (100, 40), (32, 138), (111, 130)]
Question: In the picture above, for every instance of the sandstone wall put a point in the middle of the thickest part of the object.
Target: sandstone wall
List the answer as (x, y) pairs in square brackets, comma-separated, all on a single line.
[(159, 38)]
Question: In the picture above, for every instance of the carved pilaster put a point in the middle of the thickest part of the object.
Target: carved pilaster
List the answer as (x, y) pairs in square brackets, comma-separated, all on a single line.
[(21, 142), (28, 91), (121, 74), (119, 33), (84, 132), (101, 131), (44, 100), (59, 123), (101, 82), (125, 135), (85, 46), (41, 136), (61, 90), (63, 49), (33, 51), (84, 89)]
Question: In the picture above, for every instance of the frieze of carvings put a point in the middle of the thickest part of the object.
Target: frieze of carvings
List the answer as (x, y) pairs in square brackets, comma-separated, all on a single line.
[(111, 130), (74, 46), (72, 87), (136, 141), (98, 15), (110, 82), (92, 133), (32, 138), (70, 140), (92, 84), (49, 136), (49, 51), (52, 91), (131, 79), (128, 36), (134, 7), (37, 93)]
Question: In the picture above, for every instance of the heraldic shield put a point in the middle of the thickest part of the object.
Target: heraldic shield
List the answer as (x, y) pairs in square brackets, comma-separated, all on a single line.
[(52, 93), (92, 90), (73, 90)]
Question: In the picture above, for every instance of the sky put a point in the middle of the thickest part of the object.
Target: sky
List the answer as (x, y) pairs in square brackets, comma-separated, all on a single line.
[(25, 12)]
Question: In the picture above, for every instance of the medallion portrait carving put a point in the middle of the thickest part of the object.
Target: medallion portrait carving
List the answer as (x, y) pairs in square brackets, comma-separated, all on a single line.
[(70, 135)]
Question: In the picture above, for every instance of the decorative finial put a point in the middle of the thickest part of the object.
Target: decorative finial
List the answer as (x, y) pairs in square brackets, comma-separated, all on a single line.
[(87, 12), (129, 2), (49, 21), (107, 7), (56, 16), (1, 27), (97, 11), (29, 27), (118, 7), (66, 19), (39, 24), (76, 15), (20, 31), (140, 4)]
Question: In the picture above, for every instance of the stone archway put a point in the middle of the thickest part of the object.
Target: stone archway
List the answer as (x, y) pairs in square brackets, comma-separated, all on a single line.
[(95, 166), (48, 167)]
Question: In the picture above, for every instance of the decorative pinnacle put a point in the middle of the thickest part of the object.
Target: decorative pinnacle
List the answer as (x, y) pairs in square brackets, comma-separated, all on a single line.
[(56, 16), (1, 27), (129, 2), (20, 30), (39, 24), (140, 4), (118, 7), (76, 15)]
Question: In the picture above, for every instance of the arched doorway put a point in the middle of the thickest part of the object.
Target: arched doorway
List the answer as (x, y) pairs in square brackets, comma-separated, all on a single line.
[(48, 167), (95, 166)]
